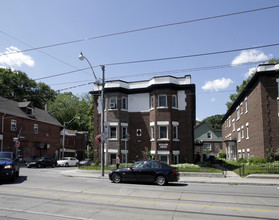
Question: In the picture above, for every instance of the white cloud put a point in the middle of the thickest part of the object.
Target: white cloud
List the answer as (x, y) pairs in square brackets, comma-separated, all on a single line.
[(251, 71), (16, 59), (213, 100), (217, 84), (247, 56)]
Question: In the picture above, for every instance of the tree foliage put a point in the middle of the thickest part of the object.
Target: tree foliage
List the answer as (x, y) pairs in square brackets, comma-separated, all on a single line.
[(17, 86), (214, 121), (67, 106), (240, 88)]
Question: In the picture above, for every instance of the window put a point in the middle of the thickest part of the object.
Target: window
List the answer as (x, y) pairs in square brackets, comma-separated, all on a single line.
[(163, 132), (207, 147), (175, 159), (209, 135), (152, 132), (233, 124), (113, 103), (230, 122), (13, 125), (247, 130), (124, 132), (36, 128), (237, 113), (175, 132), (238, 135), (174, 101), (112, 133), (242, 131), (241, 108), (246, 105), (151, 102), (162, 101), (124, 103)]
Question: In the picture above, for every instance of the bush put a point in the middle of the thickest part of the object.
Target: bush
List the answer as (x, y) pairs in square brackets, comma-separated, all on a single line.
[(222, 155), (242, 160), (257, 160)]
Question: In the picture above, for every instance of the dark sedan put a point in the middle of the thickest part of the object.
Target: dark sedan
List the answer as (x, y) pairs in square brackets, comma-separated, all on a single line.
[(146, 171), (42, 162)]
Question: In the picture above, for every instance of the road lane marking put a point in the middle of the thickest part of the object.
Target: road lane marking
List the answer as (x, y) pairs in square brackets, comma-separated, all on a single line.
[(137, 201)]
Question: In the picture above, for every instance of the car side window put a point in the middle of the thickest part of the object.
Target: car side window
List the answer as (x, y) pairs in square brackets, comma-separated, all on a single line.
[(156, 165)]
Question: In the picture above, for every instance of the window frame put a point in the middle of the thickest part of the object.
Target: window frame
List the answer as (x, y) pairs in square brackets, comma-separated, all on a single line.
[(174, 103), (166, 132), (110, 133), (166, 101), (124, 104), (36, 129), (13, 125), (112, 100)]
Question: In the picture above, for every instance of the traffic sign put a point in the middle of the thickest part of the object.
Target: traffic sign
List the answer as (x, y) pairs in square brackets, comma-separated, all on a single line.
[(17, 143)]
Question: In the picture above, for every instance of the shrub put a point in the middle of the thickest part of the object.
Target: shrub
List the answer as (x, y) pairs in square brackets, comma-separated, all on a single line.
[(257, 160), (222, 155), (242, 160)]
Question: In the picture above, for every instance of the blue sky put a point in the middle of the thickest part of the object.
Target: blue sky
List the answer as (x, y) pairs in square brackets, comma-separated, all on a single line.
[(38, 23)]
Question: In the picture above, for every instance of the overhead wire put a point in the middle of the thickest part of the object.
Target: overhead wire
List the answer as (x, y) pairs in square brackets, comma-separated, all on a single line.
[(142, 29), (166, 58)]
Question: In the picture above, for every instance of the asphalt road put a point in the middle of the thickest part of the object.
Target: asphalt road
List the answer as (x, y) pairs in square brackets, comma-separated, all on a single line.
[(45, 194)]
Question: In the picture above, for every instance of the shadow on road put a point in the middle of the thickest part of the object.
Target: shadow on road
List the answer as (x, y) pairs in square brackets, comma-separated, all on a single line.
[(18, 180)]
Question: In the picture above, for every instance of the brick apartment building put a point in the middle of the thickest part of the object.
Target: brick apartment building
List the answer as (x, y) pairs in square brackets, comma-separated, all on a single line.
[(158, 113), (251, 125), (75, 143), (36, 130)]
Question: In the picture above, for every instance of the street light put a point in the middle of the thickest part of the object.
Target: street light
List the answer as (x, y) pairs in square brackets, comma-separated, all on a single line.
[(82, 57), (64, 128)]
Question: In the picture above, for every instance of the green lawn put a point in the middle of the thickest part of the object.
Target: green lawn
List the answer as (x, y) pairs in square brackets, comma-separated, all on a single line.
[(181, 167)]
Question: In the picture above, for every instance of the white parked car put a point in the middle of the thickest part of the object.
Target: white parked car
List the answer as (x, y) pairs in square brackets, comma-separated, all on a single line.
[(67, 161)]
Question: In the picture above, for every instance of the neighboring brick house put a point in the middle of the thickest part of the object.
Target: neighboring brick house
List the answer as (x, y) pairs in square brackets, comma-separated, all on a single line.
[(158, 113), (75, 143), (210, 138), (251, 125), (38, 132)]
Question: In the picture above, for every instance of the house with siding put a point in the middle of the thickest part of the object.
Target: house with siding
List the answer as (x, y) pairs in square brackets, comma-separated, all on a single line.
[(210, 138), (158, 114), (251, 125), (28, 131)]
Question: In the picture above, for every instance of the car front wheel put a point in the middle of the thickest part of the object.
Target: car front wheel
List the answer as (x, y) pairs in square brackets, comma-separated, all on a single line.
[(160, 180), (116, 178)]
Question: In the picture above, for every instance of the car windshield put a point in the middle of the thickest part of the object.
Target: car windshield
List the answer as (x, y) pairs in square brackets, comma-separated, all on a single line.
[(66, 158), (6, 156), (39, 158), (137, 164)]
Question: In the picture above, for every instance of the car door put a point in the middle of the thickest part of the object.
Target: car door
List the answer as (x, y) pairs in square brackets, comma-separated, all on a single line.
[(148, 172), (135, 171)]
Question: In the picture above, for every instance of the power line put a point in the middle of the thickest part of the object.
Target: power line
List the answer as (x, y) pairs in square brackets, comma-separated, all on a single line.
[(166, 58), (143, 29), (167, 72)]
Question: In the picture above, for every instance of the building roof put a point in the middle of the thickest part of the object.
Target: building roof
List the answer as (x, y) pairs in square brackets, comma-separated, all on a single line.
[(137, 86), (201, 130), (12, 107), (260, 70)]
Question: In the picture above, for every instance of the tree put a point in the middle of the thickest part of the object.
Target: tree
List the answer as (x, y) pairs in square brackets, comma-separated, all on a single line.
[(240, 88), (17, 86), (214, 121), (66, 106)]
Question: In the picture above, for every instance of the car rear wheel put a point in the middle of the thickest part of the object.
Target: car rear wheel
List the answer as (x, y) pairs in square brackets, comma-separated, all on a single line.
[(66, 165), (160, 180), (39, 165), (53, 165), (116, 178)]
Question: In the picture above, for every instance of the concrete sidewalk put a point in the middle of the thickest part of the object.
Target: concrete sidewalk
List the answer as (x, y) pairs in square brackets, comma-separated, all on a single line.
[(228, 177)]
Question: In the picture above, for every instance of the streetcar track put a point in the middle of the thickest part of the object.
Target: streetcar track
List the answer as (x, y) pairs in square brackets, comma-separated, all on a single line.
[(128, 207), (168, 199)]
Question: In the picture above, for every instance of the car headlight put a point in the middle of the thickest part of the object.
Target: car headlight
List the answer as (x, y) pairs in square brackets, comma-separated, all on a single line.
[(8, 167)]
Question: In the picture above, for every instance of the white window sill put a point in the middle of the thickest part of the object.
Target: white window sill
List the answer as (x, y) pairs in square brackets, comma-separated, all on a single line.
[(152, 139), (124, 110), (163, 139), (175, 139), (162, 107), (113, 139)]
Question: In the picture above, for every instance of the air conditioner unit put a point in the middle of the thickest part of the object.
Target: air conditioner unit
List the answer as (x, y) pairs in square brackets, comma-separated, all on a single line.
[(112, 105)]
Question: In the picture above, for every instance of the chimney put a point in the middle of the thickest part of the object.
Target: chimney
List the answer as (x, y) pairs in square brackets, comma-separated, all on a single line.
[(46, 107)]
